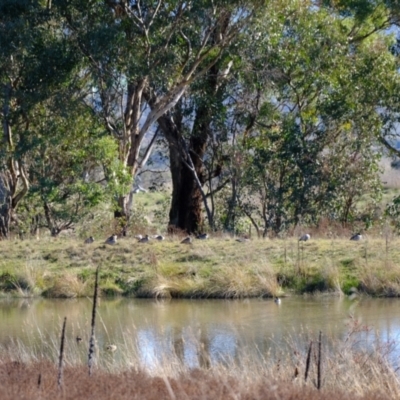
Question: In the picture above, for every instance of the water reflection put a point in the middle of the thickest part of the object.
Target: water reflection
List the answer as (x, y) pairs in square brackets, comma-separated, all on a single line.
[(197, 332)]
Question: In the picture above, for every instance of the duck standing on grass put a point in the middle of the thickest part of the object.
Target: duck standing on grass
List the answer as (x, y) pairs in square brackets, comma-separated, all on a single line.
[(159, 237), (89, 240), (111, 240), (304, 238), (202, 236), (146, 239), (356, 237), (187, 240)]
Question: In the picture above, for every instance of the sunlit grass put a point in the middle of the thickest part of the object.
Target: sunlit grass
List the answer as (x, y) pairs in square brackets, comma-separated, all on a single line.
[(218, 267)]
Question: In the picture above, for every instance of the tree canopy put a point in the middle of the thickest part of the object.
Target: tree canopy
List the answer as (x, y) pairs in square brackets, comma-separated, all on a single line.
[(273, 111)]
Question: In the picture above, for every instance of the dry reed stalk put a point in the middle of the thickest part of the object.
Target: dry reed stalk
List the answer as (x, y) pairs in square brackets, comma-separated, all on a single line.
[(298, 257), (386, 244), (319, 361), (387, 233), (308, 362), (93, 323), (285, 253), (60, 359)]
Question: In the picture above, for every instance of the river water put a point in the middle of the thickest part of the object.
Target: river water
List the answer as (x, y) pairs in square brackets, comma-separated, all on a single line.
[(222, 329)]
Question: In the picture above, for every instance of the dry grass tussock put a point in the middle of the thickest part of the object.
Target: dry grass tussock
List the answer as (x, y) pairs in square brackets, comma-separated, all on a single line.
[(232, 282), (238, 282), (68, 286)]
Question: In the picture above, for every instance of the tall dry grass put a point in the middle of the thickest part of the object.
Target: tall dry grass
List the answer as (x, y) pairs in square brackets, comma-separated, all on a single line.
[(345, 368), (21, 381), (344, 374)]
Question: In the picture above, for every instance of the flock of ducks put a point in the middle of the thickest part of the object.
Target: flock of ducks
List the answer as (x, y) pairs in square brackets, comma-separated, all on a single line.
[(307, 236), (188, 240), (146, 239), (203, 236)]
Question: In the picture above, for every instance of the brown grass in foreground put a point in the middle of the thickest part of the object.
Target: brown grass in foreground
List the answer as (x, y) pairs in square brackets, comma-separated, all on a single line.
[(39, 381)]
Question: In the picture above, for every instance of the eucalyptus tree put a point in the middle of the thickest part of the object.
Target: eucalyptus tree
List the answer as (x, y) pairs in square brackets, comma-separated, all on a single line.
[(71, 165), (140, 59), (195, 129), (316, 95), (195, 124), (35, 61), (383, 14)]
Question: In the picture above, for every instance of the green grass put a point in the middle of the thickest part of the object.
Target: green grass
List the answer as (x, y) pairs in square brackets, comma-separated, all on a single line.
[(220, 267)]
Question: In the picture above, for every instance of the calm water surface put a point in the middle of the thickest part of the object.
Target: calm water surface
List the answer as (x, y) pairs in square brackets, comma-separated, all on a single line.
[(224, 328)]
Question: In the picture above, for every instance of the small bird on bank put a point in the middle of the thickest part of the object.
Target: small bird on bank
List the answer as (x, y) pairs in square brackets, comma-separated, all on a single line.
[(277, 300), (145, 239), (111, 240), (187, 240), (356, 237), (111, 347), (89, 240), (159, 237), (304, 237), (202, 236)]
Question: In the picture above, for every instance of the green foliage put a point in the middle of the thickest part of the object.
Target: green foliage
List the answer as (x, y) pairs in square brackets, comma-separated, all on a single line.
[(131, 287), (67, 157), (161, 212), (392, 211), (38, 65), (312, 149), (292, 126), (109, 288), (138, 221), (349, 284), (7, 282)]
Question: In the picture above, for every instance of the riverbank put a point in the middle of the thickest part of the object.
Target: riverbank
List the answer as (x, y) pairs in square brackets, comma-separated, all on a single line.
[(220, 267)]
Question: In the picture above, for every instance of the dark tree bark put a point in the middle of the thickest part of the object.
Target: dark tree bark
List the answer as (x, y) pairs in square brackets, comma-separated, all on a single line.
[(186, 158), (10, 197), (5, 218), (13, 180), (187, 198), (186, 206), (186, 212)]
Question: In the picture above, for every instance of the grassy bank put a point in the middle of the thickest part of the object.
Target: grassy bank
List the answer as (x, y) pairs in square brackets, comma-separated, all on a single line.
[(218, 267)]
